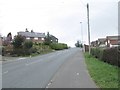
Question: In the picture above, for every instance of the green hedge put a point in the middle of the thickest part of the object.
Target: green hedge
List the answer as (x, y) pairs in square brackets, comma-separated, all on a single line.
[(58, 46), (109, 55), (97, 52), (23, 52)]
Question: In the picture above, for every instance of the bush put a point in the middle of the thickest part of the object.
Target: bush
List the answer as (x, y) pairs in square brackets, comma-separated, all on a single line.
[(1, 50), (28, 44), (18, 41), (23, 51), (33, 50), (109, 55), (97, 52), (58, 46)]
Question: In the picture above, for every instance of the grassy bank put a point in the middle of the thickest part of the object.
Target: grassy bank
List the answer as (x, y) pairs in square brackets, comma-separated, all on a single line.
[(42, 52), (104, 75)]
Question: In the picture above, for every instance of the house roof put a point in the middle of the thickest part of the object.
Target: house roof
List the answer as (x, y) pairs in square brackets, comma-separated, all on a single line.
[(114, 43), (94, 42), (32, 34), (113, 37), (114, 40), (101, 39), (53, 37)]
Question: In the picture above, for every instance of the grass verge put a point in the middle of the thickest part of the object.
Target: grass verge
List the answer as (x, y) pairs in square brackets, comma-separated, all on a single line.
[(44, 52), (103, 74)]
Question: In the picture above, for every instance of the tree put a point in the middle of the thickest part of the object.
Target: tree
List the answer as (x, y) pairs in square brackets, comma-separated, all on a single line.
[(9, 36), (28, 44), (48, 39), (18, 41), (79, 44)]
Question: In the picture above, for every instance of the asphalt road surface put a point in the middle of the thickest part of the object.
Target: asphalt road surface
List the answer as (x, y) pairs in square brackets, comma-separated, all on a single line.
[(48, 70)]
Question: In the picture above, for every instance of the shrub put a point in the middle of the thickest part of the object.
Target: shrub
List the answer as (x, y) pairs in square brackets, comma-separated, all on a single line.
[(18, 51), (119, 56), (28, 44), (58, 46), (1, 48), (33, 50), (93, 51), (109, 55), (97, 52), (18, 41)]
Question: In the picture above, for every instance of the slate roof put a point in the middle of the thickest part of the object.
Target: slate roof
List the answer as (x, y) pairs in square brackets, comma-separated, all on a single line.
[(32, 34), (113, 37), (101, 39)]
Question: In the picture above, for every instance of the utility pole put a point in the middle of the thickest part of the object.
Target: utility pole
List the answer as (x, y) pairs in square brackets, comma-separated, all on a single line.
[(88, 27)]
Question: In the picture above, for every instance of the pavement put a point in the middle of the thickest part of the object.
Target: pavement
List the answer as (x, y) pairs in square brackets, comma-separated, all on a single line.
[(60, 69), (73, 74)]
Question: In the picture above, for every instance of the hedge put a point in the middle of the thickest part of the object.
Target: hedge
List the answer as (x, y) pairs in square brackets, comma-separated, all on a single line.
[(58, 46), (109, 55), (23, 51)]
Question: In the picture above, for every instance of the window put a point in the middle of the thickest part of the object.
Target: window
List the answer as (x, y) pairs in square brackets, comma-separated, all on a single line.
[(28, 38), (36, 38), (42, 38)]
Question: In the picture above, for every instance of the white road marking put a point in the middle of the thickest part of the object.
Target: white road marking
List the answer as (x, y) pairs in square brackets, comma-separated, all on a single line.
[(32, 63), (77, 73), (21, 58), (49, 84), (51, 81), (5, 72), (47, 87)]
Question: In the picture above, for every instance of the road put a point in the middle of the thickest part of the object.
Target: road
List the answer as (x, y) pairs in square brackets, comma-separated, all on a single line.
[(36, 72)]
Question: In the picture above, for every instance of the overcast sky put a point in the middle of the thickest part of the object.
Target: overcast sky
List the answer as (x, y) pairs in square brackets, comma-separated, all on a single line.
[(60, 17)]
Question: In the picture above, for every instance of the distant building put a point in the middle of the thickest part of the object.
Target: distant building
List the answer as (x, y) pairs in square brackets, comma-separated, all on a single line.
[(34, 36), (102, 42), (94, 43), (54, 39), (109, 41), (112, 41)]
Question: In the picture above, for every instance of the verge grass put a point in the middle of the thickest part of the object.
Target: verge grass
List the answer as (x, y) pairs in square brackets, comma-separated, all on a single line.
[(103, 74)]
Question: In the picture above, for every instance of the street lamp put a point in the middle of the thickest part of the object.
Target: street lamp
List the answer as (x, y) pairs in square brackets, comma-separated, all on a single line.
[(81, 35)]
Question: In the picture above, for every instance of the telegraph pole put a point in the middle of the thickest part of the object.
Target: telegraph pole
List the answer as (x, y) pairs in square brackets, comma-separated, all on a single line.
[(88, 27)]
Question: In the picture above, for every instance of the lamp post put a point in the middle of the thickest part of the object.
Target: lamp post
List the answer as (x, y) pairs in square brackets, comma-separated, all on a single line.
[(81, 35)]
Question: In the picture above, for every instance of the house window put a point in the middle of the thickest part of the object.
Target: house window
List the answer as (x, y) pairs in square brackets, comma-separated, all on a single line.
[(28, 38), (36, 38), (42, 38)]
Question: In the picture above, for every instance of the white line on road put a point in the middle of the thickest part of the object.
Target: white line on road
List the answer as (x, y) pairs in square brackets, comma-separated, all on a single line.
[(27, 64), (21, 58), (77, 73), (46, 87), (5, 72)]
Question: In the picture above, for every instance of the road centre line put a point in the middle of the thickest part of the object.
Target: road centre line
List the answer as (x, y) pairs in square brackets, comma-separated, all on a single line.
[(21, 58), (27, 64), (5, 72)]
